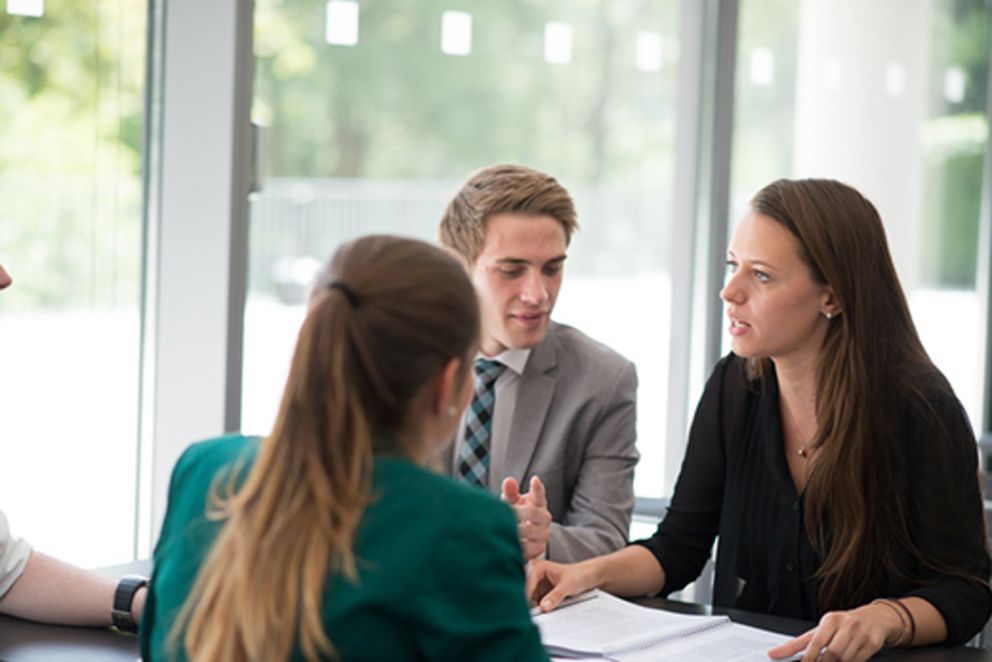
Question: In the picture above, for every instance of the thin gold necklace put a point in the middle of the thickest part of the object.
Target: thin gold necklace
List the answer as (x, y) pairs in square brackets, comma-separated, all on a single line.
[(803, 452)]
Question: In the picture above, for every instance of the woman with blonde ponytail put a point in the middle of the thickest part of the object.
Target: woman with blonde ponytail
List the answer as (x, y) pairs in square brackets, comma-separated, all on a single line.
[(328, 539), (828, 454)]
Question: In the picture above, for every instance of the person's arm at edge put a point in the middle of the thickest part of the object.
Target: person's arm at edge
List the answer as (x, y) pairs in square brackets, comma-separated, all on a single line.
[(52, 591)]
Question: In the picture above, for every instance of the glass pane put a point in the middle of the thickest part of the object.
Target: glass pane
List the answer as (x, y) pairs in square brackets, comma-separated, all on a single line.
[(376, 116), (890, 97), (71, 99)]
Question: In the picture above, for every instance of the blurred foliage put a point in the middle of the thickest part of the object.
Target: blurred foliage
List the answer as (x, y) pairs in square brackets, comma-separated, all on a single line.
[(955, 141), (396, 109), (395, 106), (71, 99), (953, 136), (764, 115)]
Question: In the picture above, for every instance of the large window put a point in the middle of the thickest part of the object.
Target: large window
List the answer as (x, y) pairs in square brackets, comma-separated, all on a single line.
[(889, 96), (71, 101), (375, 113)]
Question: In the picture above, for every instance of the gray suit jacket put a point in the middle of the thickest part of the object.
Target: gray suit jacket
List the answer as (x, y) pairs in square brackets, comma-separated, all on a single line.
[(574, 427)]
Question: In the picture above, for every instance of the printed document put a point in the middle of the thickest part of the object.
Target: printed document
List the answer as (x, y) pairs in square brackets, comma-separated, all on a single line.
[(599, 625)]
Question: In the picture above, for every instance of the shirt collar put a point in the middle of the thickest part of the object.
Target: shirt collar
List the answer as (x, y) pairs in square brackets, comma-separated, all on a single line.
[(514, 359)]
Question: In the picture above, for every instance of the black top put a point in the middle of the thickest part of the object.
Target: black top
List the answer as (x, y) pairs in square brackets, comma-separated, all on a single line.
[(735, 484)]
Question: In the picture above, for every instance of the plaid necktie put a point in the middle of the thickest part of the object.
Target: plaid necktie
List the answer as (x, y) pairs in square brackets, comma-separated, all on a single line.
[(473, 458)]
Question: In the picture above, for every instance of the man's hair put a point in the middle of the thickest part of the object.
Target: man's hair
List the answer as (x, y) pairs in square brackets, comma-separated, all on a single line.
[(502, 189)]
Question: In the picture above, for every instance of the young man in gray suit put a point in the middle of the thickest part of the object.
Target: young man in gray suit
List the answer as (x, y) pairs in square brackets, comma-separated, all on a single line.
[(554, 411)]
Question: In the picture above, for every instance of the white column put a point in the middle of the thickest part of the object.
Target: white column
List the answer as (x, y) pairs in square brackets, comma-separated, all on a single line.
[(861, 102), (197, 240)]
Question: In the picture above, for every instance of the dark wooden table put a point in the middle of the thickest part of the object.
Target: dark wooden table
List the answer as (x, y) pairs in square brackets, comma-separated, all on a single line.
[(793, 627), (21, 641)]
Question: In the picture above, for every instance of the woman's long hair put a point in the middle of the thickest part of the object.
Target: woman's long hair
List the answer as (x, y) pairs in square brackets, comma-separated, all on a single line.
[(383, 321), (872, 375)]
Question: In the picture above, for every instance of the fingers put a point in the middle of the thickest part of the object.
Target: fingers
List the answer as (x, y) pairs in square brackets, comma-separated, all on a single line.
[(819, 647), (532, 523), (846, 636), (792, 646), (529, 513), (537, 516), (830, 647), (533, 529), (538, 584), (537, 494), (533, 518), (510, 490), (548, 583), (545, 587), (553, 598)]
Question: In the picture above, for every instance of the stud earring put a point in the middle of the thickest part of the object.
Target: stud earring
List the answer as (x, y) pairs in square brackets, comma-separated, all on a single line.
[(452, 411), (828, 315)]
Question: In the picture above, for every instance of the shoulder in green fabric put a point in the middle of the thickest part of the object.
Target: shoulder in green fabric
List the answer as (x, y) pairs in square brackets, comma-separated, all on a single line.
[(209, 456), (460, 503)]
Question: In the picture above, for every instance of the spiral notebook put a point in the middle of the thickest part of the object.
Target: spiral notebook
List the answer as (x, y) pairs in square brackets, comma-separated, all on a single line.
[(599, 625)]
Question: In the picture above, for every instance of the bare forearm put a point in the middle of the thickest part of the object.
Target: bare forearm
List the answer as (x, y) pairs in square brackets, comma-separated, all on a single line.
[(930, 625), (908, 621), (629, 572), (52, 591)]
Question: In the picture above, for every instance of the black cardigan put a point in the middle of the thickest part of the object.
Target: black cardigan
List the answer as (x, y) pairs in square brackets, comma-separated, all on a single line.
[(735, 484)]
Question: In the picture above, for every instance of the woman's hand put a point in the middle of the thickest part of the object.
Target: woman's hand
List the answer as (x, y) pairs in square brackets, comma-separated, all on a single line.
[(629, 572), (847, 636), (548, 583)]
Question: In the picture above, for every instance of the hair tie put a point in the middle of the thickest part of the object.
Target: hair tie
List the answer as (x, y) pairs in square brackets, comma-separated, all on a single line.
[(347, 291)]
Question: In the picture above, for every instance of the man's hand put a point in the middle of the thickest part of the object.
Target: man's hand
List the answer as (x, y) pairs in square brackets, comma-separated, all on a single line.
[(533, 517)]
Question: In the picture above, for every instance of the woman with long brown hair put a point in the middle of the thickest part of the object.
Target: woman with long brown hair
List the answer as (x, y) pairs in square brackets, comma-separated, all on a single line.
[(328, 540), (828, 454)]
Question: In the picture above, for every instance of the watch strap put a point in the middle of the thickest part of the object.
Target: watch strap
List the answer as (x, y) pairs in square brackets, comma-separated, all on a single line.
[(123, 599)]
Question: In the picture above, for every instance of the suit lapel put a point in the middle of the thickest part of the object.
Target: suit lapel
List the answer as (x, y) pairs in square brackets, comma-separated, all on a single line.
[(537, 386)]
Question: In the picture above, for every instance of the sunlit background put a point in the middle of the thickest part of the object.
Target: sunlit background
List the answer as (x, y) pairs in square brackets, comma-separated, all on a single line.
[(374, 112)]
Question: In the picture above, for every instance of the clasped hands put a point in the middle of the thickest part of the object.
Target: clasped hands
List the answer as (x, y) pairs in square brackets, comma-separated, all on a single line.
[(533, 517)]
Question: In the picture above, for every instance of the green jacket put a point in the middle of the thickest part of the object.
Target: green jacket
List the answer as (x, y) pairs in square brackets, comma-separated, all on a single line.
[(441, 574)]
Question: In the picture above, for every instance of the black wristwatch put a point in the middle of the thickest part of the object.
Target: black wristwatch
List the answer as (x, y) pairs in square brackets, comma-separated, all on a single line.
[(123, 598)]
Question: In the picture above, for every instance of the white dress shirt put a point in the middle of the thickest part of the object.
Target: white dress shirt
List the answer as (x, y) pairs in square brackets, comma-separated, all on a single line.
[(14, 554), (507, 384)]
